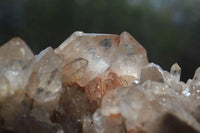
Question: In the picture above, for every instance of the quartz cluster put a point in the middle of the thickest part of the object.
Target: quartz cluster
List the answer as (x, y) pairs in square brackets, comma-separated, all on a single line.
[(94, 83)]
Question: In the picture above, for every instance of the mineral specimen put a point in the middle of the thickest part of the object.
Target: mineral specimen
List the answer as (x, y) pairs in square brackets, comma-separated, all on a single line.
[(94, 83)]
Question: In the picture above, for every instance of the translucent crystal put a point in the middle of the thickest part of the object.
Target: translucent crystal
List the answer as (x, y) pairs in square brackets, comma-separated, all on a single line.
[(196, 78), (45, 82), (143, 108), (131, 57), (16, 62), (93, 91), (110, 104), (97, 88), (4, 88), (74, 71), (193, 94), (173, 83), (176, 71), (111, 124), (95, 48), (151, 72), (98, 120)]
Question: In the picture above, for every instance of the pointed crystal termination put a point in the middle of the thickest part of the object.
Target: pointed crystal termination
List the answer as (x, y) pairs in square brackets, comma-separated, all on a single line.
[(131, 57), (95, 48), (196, 78), (45, 82), (122, 54), (175, 71), (16, 62)]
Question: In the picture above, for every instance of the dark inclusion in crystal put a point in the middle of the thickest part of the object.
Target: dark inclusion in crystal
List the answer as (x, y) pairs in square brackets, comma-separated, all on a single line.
[(105, 43)]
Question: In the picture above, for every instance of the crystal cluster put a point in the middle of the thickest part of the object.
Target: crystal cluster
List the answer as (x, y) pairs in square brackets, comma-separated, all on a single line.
[(94, 83)]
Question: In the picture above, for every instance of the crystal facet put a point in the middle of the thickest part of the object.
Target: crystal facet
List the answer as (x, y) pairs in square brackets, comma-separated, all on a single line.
[(176, 71), (16, 62)]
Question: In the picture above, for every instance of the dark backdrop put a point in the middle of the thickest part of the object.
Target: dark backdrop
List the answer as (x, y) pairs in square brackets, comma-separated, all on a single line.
[(169, 30)]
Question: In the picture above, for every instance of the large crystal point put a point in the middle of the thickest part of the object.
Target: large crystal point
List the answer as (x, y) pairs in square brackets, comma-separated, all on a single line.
[(131, 57), (16, 62), (122, 54), (98, 49)]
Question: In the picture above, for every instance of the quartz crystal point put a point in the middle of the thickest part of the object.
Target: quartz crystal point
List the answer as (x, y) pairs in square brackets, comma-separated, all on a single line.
[(95, 48), (176, 71), (131, 57), (94, 83), (16, 62), (45, 82), (122, 54)]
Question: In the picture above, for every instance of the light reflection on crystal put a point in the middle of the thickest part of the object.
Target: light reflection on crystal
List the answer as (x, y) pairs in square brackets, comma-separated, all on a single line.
[(186, 92)]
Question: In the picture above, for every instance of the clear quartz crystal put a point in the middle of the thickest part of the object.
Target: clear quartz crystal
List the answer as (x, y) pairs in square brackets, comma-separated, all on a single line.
[(16, 63), (45, 82), (151, 72), (122, 54), (176, 71), (131, 57), (96, 48)]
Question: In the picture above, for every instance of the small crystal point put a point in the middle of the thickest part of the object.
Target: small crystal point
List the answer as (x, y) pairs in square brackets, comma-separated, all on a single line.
[(197, 75), (98, 49), (126, 38), (175, 71)]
